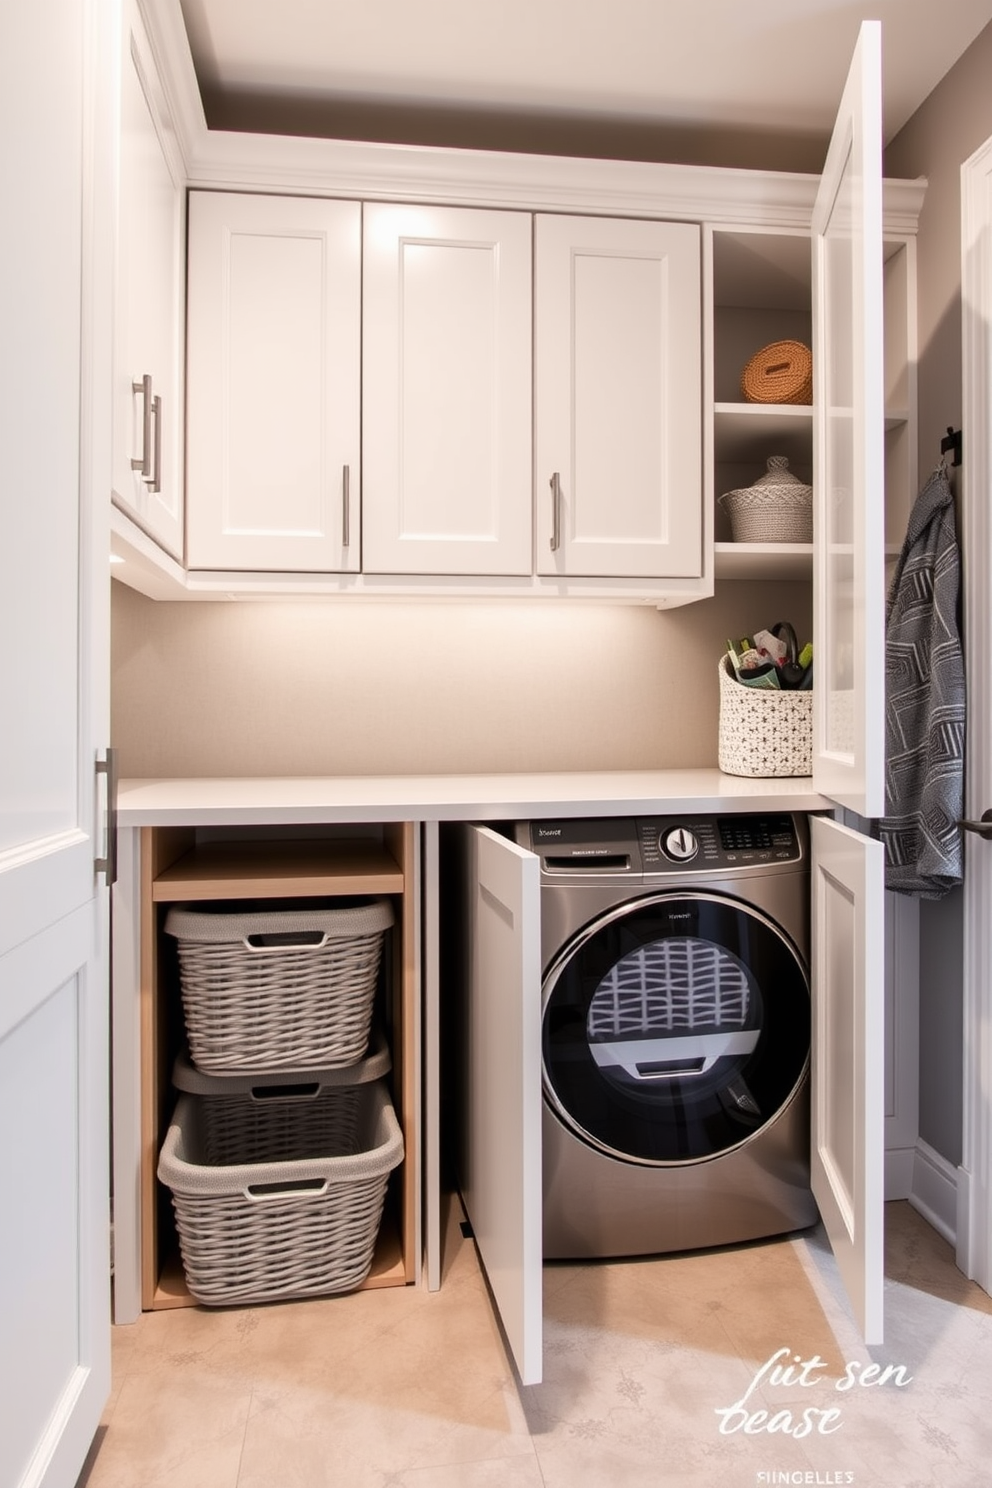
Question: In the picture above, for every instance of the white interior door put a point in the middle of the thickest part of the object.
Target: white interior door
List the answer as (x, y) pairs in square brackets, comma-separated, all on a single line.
[(501, 1163), (848, 1091), (848, 439), (974, 1235), (55, 475)]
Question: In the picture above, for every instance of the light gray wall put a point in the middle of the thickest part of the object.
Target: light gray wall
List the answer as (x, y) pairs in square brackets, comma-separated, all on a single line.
[(950, 126), (323, 688)]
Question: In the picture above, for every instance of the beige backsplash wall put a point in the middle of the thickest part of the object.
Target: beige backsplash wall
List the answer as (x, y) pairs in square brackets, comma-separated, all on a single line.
[(354, 687)]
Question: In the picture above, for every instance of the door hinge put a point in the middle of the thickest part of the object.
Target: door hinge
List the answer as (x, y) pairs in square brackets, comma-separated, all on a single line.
[(108, 864)]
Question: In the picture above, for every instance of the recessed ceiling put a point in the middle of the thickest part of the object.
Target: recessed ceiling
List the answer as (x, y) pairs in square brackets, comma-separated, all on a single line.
[(763, 68)]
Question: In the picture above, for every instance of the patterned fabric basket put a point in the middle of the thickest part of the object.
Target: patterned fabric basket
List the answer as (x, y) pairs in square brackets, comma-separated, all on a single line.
[(286, 1200), (763, 731), (278, 989)]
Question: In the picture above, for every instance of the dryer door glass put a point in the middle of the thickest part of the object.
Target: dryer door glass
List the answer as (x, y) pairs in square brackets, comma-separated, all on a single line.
[(675, 1028)]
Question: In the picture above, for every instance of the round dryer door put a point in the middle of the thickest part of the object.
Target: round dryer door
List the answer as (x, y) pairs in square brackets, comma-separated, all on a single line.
[(675, 1027)]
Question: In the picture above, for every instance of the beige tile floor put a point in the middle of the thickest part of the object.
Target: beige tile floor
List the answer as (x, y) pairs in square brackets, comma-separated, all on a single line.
[(412, 1390)]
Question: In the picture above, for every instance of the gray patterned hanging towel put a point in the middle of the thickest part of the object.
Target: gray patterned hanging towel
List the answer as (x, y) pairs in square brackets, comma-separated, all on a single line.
[(925, 703)]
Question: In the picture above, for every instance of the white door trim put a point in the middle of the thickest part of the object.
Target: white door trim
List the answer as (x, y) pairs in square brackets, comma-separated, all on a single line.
[(974, 1234)]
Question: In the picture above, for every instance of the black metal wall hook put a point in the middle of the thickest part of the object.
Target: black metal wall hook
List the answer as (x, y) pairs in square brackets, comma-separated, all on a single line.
[(951, 442)]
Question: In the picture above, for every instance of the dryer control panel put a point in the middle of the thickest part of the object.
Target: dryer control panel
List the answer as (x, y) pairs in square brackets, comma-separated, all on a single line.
[(606, 846), (716, 842)]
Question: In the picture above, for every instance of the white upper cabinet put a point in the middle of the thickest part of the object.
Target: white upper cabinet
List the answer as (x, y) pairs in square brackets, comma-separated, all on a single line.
[(617, 458), (530, 390), (849, 448), (447, 391), (150, 272), (273, 424)]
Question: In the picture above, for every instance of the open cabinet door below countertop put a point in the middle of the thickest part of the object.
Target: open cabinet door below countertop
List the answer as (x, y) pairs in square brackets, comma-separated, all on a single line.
[(501, 1163)]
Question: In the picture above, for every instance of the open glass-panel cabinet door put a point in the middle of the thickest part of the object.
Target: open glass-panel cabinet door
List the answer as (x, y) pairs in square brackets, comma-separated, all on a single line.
[(848, 739), (848, 448)]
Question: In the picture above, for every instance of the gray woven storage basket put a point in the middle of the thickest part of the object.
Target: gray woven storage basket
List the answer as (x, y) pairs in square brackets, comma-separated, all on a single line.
[(286, 1202), (278, 989), (778, 507), (377, 1062)]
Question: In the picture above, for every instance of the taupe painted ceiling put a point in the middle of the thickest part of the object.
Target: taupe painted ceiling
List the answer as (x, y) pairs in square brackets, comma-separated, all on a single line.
[(648, 70)]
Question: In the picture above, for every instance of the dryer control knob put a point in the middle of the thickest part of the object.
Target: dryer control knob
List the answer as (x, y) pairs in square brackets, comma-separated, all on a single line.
[(680, 844)]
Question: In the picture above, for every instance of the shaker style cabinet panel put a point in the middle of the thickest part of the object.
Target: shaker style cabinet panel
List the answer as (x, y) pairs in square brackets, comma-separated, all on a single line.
[(446, 391), (501, 1162), (273, 431), (847, 1098), (148, 383), (618, 397)]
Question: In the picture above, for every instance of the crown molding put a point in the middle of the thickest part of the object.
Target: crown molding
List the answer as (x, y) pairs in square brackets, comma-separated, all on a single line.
[(287, 165)]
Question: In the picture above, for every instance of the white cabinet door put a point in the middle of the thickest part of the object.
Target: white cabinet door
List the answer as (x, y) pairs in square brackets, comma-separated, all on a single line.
[(150, 274), (501, 1164), (56, 303), (618, 395), (273, 384), (848, 1089), (447, 391), (848, 438)]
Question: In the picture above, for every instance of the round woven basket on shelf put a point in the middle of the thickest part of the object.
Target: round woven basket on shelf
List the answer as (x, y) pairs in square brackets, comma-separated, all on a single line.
[(779, 373), (777, 508)]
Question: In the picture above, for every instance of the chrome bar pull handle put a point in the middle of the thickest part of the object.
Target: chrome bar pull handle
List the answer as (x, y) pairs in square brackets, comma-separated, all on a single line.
[(143, 463), (555, 512), (982, 827), (108, 864), (155, 484), (346, 506)]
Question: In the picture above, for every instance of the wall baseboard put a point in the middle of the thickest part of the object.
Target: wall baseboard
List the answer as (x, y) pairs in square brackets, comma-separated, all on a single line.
[(899, 1166), (934, 1192)]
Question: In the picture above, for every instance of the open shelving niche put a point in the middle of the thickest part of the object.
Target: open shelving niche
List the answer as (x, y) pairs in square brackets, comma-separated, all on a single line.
[(187, 865), (759, 291)]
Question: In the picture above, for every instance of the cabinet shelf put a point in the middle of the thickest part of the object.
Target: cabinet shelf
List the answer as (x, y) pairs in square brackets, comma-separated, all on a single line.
[(742, 416), (750, 432), (273, 870), (734, 560)]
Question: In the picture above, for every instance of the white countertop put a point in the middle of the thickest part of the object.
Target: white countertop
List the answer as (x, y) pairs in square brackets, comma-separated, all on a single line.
[(284, 801)]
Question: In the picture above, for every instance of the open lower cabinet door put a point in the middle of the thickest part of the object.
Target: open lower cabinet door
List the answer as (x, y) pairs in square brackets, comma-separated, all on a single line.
[(848, 1107), (501, 1160), (848, 448)]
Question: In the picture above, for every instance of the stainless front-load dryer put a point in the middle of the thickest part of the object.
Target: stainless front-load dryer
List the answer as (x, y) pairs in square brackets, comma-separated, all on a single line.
[(675, 1031)]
